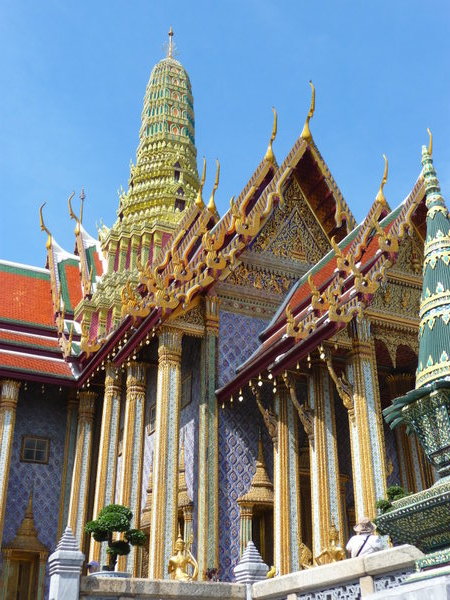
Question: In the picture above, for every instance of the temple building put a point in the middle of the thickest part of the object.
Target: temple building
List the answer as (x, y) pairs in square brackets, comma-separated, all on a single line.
[(224, 375)]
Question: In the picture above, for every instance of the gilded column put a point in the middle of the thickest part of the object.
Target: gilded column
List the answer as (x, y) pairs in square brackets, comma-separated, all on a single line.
[(286, 517), (68, 460), (245, 525), (105, 483), (133, 450), (163, 528), (208, 454), (79, 493), (325, 485), (8, 405), (366, 426)]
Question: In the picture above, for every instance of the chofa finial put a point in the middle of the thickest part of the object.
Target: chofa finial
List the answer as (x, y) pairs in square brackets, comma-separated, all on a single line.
[(199, 199), (211, 204), (306, 132), (44, 227), (269, 156), (380, 197)]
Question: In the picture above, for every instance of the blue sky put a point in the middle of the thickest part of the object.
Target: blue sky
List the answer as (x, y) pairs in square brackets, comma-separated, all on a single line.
[(73, 76)]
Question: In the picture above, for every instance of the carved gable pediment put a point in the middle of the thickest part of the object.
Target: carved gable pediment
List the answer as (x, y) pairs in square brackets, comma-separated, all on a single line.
[(410, 256), (293, 231)]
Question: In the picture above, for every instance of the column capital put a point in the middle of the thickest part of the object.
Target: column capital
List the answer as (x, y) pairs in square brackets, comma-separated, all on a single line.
[(86, 407), (9, 394), (170, 344), (113, 376), (212, 314), (136, 374), (72, 401)]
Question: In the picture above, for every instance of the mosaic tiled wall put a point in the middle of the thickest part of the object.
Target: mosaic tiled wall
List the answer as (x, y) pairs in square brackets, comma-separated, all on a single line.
[(43, 415), (238, 339), (239, 429)]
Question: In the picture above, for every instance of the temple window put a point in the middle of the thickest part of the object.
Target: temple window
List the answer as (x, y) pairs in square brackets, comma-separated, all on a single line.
[(35, 449), (176, 171), (180, 203), (152, 419)]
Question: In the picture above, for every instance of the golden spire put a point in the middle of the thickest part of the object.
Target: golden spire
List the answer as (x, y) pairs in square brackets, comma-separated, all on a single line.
[(27, 535), (211, 204), (261, 488), (170, 47), (183, 496), (306, 133), (380, 197), (269, 156), (44, 227), (199, 200), (430, 143)]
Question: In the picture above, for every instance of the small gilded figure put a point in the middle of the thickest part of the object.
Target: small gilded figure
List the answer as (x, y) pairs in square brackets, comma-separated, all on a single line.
[(333, 552), (365, 541), (180, 561)]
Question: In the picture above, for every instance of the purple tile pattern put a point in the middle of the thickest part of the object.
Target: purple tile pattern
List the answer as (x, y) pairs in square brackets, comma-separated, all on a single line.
[(238, 339), (43, 415), (239, 428)]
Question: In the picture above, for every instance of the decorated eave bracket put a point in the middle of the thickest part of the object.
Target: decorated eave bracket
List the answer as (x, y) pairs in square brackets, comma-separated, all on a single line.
[(305, 412), (270, 419)]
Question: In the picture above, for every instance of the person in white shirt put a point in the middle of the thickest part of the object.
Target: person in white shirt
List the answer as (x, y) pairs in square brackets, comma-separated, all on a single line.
[(365, 541)]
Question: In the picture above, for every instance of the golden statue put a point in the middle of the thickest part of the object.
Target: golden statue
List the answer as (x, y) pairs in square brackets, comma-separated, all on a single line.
[(333, 552), (178, 564), (306, 557)]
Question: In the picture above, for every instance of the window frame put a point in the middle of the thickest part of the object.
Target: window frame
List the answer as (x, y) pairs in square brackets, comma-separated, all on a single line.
[(33, 460)]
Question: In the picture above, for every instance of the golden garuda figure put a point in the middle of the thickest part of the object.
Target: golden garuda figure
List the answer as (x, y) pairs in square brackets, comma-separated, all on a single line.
[(180, 561)]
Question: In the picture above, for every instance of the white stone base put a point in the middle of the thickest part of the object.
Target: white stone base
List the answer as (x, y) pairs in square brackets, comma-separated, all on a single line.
[(437, 587)]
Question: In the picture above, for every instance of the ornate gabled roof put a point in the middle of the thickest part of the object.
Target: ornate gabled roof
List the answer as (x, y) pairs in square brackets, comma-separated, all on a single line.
[(29, 346), (203, 251), (332, 292), (434, 331)]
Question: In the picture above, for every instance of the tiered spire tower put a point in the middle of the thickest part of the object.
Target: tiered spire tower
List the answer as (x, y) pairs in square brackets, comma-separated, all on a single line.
[(164, 180)]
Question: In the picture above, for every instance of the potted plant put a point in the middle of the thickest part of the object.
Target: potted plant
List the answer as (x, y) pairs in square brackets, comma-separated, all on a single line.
[(112, 519)]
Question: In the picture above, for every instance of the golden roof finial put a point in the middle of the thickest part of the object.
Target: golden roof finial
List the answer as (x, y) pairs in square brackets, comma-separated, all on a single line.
[(380, 197), (170, 47), (199, 200), (306, 133), (44, 227), (430, 143), (211, 204), (269, 156)]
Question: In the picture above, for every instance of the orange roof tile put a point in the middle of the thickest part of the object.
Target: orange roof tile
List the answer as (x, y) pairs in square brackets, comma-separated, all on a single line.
[(26, 363), (25, 295)]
